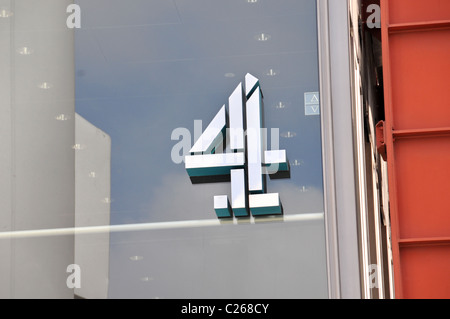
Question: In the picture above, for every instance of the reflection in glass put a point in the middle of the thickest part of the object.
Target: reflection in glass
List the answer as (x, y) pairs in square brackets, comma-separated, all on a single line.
[(24, 51), (92, 208), (4, 13), (147, 72)]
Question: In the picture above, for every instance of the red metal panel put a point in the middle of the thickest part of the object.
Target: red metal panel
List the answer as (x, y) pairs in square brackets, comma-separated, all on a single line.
[(410, 11), (416, 66), (423, 187), (425, 271), (417, 58)]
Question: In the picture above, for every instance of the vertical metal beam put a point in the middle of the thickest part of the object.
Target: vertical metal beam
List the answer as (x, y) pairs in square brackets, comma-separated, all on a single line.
[(331, 233), (339, 163), (388, 133)]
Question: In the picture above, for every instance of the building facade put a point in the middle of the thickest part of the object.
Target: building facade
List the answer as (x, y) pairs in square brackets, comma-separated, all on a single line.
[(223, 149)]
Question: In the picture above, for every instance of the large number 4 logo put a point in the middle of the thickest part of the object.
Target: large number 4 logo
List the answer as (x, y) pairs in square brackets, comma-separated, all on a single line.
[(246, 163)]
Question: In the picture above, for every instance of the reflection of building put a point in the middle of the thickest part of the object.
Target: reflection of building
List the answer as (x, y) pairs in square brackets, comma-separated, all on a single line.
[(37, 133), (39, 170), (92, 207)]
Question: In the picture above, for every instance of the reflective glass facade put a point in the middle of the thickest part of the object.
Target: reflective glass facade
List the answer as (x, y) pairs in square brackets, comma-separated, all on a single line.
[(115, 93)]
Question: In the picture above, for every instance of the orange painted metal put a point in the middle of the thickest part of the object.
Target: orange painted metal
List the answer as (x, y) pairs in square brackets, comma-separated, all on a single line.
[(381, 145), (416, 67)]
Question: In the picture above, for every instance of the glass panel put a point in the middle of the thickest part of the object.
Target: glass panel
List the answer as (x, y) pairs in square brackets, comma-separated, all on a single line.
[(146, 72)]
